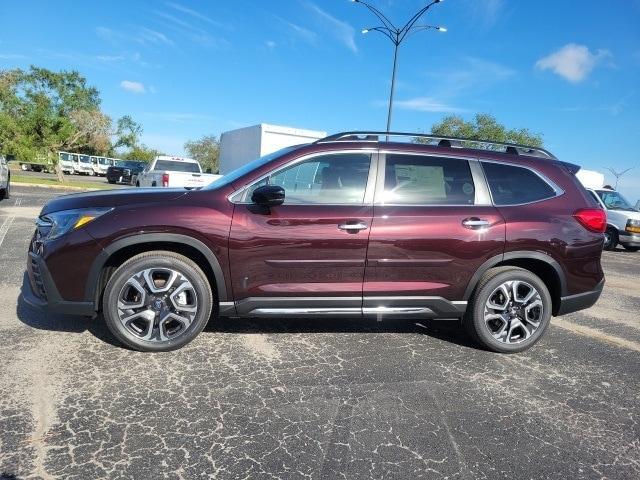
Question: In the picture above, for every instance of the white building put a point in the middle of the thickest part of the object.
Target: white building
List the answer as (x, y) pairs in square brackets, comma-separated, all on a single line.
[(238, 147)]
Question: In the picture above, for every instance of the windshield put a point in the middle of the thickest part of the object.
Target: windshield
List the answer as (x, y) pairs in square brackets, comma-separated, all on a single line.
[(64, 157), (177, 166), (85, 159), (128, 164), (239, 172), (103, 161), (614, 201)]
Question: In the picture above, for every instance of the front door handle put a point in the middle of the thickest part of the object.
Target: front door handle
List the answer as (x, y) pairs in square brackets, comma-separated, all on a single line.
[(475, 223), (353, 227)]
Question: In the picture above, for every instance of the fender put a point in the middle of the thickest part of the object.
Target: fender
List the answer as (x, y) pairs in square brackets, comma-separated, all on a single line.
[(516, 255), (101, 259)]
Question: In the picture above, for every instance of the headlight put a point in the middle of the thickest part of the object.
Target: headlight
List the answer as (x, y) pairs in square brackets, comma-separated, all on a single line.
[(56, 224), (633, 226)]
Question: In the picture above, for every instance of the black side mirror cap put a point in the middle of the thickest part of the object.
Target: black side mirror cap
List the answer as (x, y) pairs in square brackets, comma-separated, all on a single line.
[(268, 195)]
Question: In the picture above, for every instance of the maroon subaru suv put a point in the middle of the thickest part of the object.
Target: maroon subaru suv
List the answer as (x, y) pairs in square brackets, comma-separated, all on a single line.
[(501, 236)]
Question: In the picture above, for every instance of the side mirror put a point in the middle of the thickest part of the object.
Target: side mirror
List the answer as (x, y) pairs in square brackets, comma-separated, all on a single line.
[(268, 195)]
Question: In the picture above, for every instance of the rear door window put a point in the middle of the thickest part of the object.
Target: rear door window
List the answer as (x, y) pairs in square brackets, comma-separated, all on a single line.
[(176, 166), (426, 180), (512, 185)]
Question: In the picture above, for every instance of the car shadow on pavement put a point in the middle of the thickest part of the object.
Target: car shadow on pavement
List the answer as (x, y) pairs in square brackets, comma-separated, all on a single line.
[(450, 331), (447, 330), (42, 320)]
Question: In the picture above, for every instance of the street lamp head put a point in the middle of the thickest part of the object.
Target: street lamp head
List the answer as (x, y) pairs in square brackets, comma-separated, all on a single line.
[(366, 30), (441, 29)]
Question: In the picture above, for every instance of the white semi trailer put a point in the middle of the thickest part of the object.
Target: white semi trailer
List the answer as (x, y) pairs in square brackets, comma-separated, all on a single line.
[(238, 147)]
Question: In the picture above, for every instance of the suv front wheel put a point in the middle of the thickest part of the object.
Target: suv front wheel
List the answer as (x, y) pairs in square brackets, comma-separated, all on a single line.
[(509, 310), (157, 301)]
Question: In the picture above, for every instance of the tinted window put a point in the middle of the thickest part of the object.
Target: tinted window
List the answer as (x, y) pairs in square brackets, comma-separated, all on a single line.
[(614, 201), (174, 166), (511, 185), (326, 179), (422, 180)]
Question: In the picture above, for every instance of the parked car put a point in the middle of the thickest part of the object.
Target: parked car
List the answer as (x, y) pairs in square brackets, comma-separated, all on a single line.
[(5, 178), (623, 220), (165, 171), (102, 164), (125, 171), (350, 225), (68, 162)]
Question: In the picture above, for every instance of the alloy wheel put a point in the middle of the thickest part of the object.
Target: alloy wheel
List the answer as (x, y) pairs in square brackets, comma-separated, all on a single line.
[(157, 304), (513, 312)]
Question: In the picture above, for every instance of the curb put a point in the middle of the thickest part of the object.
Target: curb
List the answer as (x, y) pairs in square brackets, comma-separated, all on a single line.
[(55, 187)]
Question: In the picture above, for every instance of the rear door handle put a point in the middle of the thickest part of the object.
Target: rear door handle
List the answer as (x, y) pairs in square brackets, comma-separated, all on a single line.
[(475, 223), (353, 227)]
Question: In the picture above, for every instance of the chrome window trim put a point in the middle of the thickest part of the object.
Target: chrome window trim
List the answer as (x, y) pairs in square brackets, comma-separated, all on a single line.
[(369, 188), (481, 199), (557, 190)]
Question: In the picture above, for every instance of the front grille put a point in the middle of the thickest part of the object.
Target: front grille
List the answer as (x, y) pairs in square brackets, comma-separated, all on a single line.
[(37, 283)]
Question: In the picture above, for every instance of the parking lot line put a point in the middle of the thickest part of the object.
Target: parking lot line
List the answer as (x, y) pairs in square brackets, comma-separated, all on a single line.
[(596, 334), (5, 227)]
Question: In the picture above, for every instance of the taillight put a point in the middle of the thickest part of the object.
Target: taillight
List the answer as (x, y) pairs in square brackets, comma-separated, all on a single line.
[(165, 179), (593, 219)]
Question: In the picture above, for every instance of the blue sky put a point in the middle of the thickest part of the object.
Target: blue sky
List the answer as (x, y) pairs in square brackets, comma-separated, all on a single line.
[(569, 70)]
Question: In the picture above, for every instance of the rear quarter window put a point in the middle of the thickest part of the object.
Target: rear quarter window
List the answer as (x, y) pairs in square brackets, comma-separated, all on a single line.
[(512, 185)]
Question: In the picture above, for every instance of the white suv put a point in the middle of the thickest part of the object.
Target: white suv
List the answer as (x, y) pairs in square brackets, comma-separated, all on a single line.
[(623, 220), (5, 178)]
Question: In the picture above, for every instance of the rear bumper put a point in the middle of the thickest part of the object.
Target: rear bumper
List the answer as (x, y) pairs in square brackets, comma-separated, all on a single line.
[(573, 303), (40, 291)]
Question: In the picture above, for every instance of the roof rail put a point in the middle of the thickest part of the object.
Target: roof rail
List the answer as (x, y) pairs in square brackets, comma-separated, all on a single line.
[(440, 140)]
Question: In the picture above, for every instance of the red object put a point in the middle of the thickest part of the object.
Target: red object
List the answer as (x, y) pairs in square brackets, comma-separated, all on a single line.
[(593, 219), (165, 179)]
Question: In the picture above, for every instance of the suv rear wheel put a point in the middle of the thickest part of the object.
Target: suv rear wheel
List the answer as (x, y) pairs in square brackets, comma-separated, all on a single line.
[(610, 239), (509, 311), (157, 301)]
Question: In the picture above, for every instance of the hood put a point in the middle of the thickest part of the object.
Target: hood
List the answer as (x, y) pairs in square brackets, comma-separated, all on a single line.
[(113, 198)]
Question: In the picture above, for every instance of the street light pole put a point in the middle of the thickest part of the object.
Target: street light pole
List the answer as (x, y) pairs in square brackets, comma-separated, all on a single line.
[(393, 86), (397, 36)]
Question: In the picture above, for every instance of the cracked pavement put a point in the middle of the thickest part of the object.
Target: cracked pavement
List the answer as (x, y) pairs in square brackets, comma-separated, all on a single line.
[(315, 399)]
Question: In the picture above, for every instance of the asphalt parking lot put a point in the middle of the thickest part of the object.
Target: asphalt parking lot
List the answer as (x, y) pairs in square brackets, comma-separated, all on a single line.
[(315, 398)]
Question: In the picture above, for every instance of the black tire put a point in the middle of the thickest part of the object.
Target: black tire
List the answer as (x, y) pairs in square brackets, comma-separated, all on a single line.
[(160, 260), (474, 319), (610, 239), (111, 181), (629, 248)]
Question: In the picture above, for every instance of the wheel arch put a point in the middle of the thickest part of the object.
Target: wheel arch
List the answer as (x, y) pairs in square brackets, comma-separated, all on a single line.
[(121, 250), (541, 264)]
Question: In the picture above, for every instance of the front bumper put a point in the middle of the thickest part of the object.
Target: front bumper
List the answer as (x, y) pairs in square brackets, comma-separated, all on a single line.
[(629, 239), (581, 301), (41, 292)]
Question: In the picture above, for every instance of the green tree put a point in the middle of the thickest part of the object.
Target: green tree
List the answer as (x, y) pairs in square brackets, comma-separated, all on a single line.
[(205, 150), (483, 127), (127, 133), (42, 112), (140, 152)]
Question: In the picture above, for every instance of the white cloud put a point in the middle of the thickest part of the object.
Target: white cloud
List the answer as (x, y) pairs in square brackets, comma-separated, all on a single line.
[(572, 62), (426, 104), (304, 33), (194, 14), (271, 44), (342, 31), (11, 56), (133, 87)]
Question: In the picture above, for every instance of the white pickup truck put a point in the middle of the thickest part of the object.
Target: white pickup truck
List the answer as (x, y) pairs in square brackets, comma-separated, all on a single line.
[(174, 172)]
